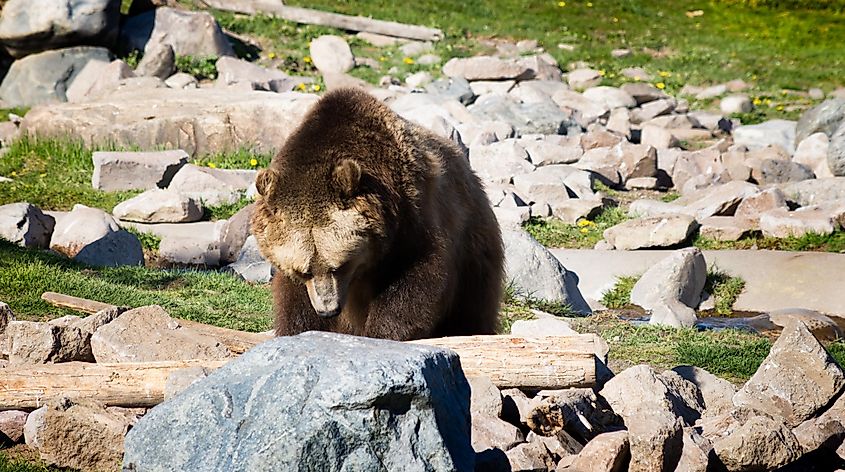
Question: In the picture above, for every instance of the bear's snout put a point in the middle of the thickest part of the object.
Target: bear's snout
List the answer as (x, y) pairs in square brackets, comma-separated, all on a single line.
[(327, 294)]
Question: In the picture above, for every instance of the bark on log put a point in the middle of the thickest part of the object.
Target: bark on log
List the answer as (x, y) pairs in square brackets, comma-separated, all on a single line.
[(336, 20), (551, 362)]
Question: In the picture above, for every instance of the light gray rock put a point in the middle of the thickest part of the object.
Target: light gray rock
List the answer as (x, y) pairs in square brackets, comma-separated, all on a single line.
[(159, 61), (499, 162), (179, 380), (619, 122), (599, 138), (126, 170), (610, 97), (752, 206), (546, 150), (361, 404), (761, 443), (572, 210), (656, 231), (159, 206), (696, 453), (642, 183), (643, 92), (188, 33), (637, 160), (732, 104), (33, 26), (604, 163), (608, 452), (45, 77), (542, 67), (491, 87), (636, 73), (580, 79), (816, 191), (81, 435), (542, 327), (543, 185), (529, 457), (97, 78), (823, 118), (796, 380), (534, 270), (12, 423), (485, 398), (778, 171), (331, 54), (487, 68), (182, 80), (584, 111), (836, 152), (726, 228), (822, 326), (718, 200), (780, 132), (812, 152), (659, 138), (93, 237), (819, 219), (674, 284), (25, 225), (193, 251), (61, 340), (716, 393), (452, 88), (250, 264), (235, 232), (537, 91), (534, 118), (653, 109), (211, 186), (490, 432), (149, 334)]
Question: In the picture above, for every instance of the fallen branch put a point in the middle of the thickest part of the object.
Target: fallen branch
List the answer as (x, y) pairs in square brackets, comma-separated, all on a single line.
[(75, 303), (551, 362), (335, 20)]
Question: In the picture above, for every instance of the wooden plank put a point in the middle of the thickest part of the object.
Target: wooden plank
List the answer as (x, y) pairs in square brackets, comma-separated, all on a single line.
[(74, 303), (335, 20)]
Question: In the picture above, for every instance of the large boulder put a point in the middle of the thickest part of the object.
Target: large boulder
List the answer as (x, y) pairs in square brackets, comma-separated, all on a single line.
[(534, 270), (25, 225), (45, 77), (780, 132), (836, 152), (93, 237), (331, 54), (823, 118), (188, 33), (796, 380), (347, 403), (487, 68), (32, 26), (651, 232), (212, 186), (233, 71), (98, 78), (64, 339), (671, 289), (526, 118), (159, 206), (816, 191), (126, 170), (200, 121)]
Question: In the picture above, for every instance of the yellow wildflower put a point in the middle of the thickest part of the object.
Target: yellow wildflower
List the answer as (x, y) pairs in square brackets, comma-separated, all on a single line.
[(301, 86), (306, 59), (272, 55), (584, 231), (767, 101), (615, 20), (660, 85), (212, 165), (589, 4), (14, 174), (663, 73), (757, 101), (561, 4), (408, 60), (780, 108), (583, 223), (602, 72), (316, 87), (382, 58), (253, 162)]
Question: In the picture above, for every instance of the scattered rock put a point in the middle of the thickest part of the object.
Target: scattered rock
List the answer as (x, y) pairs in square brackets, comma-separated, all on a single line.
[(29, 27), (796, 379), (331, 54), (608, 452), (819, 219), (148, 334), (726, 228), (752, 206), (97, 78), (777, 171), (182, 80), (452, 88), (696, 453), (61, 340), (93, 237), (813, 152), (250, 264), (12, 423), (643, 92), (774, 132), (542, 327), (25, 225), (719, 200), (716, 393), (159, 61), (534, 118), (159, 206), (816, 191), (761, 443), (125, 170), (188, 33), (486, 68), (836, 152), (361, 403), (531, 267), (571, 412), (671, 289), (485, 398), (192, 251), (823, 118), (822, 326), (736, 104), (499, 162), (211, 186), (610, 97), (580, 79), (529, 457), (656, 231), (44, 77)]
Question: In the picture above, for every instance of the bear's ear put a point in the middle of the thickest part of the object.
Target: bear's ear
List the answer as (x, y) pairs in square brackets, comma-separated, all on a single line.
[(265, 181), (347, 175)]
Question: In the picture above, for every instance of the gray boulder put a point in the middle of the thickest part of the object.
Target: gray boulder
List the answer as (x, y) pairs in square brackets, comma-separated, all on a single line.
[(533, 269), (780, 132), (188, 33), (331, 54), (159, 61), (836, 152), (96, 79), (250, 264), (232, 71), (823, 118), (135, 170), (159, 206), (93, 237), (25, 225), (45, 77), (816, 191), (487, 68), (212, 186), (655, 231), (33, 26), (456, 88), (347, 403), (671, 289), (778, 171), (534, 118), (234, 233)]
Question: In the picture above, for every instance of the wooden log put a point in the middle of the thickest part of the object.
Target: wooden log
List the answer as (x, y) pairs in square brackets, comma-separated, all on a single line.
[(236, 341), (335, 20), (551, 362)]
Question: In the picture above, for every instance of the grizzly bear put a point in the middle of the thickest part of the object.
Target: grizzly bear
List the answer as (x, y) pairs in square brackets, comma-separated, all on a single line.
[(377, 227)]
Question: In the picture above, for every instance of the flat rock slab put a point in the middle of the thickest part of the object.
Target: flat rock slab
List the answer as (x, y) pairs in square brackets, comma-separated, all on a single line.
[(199, 121), (773, 279), (316, 401)]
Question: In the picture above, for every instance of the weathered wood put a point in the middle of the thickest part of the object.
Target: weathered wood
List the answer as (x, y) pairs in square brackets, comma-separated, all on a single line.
[(336, 20), (551, 362), (236, 341), (74, 303), (128, 384)]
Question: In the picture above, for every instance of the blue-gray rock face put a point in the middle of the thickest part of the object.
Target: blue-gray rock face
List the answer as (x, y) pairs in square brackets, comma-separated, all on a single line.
[(316, 401), (526, 118)]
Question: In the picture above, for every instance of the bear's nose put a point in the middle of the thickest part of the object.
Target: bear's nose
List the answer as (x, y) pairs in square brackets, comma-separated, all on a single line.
[(329, 314)]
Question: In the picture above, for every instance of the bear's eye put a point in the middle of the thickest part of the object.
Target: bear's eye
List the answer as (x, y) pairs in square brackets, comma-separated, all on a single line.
[(302, 275)]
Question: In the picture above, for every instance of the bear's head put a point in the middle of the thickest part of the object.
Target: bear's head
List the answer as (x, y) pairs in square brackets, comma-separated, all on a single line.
[(320, 226)]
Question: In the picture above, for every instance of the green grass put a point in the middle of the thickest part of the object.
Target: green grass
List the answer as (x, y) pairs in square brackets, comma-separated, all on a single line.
[(201, 67), (517, 305), (837, 351), (620, 295), (53, 175), (670, 197), (20, 111), (224, 211), (834, 242), (551, 232), (149, 241), (208, 297), (724, 289), (8, 464), (239, 159)]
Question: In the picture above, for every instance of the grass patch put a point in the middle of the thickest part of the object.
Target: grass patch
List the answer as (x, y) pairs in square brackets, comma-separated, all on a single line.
[(834, 242), (240, 159), (517, 305), (20, 111), (208, 297), (620, 295), (54, 175), (149, 241), (837, 352), (201, 67), (551, 232), (732, 354), (224, 211), (8, 464), (724, 289), (670, 197)]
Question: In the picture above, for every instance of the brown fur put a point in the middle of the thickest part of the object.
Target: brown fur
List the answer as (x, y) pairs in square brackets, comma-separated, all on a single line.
[(392, 208)]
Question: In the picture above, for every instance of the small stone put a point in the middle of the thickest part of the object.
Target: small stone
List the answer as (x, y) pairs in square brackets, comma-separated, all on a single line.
[(610, 97), (653, 109), (584, 111), (816, 191), (620, 53), (752, 206), (212, 186), (696, 453), (679, 277), (778, 171), (250, 265), (233, 71), (608, 452), (726, 228), (580, 79), (823, 118), (796, 379), (819, 219), (25, 225), (499, 162), (761, 443), (529, 457), (114, 171), (572, 210), (736, 104), (182, 80), (569, 414), (485, 397), (93, 237), (193, 251), (712, 92), (822, 326), (331, 54), (659, 138), (643, 92), (12, 423), (159, 206), (482, 87), (642, 183), (542, 327), (636, 73), (719, 200), (189, 33), (759, 136), (812, 152), (486, 68), (716, 393), (823, 432), (159, 61), (491, 432), (96, 79)]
